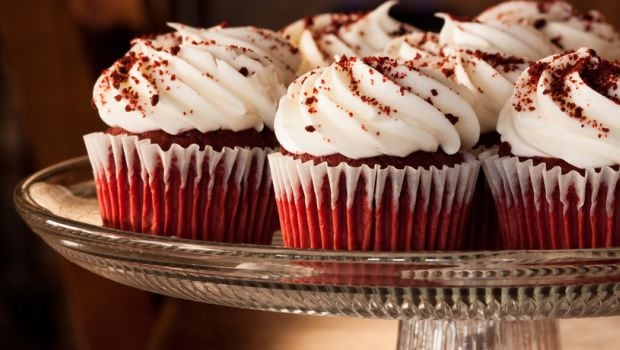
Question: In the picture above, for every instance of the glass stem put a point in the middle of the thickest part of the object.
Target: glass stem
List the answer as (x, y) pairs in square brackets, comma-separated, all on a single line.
[(492, 334)]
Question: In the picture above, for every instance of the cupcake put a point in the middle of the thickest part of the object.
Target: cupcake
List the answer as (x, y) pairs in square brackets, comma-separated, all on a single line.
[(189, 116), (486, 59), (371, 160), (319, 38), (556, 178), (562, 24), (486, 71)]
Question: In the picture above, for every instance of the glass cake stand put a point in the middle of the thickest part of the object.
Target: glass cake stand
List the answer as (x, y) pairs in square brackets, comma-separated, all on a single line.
[(444, 300)]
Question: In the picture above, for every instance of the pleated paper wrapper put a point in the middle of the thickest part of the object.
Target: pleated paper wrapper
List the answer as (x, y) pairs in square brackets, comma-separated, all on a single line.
[(542, 208), (211, 195), (372, 209), (482, 229)]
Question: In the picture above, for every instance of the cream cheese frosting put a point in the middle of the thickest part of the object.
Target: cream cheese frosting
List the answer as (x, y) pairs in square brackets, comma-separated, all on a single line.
[(487, 58), (561, 23), (371, 107), (490, 77), (423, 51), (197, 79), (319, 38), (566, 107), (495, 36), (414, 46)]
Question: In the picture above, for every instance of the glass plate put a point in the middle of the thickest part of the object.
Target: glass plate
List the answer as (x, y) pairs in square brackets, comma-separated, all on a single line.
[(59, 204)]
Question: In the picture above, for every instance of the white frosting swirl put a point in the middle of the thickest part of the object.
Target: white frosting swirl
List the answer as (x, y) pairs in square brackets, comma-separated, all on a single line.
[(371, 107), (490, 78), (422, 51), (202, 79), (566, 107), (494, 36), (321, 37), (414, 46), (560, 22)]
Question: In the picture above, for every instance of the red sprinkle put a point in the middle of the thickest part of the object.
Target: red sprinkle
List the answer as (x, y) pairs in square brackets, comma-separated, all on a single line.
[(452, 118)]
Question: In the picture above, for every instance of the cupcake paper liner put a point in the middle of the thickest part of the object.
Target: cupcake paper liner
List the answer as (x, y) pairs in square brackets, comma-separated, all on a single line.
[(482, 228), (542, 208), (205, 194), (372, 209)]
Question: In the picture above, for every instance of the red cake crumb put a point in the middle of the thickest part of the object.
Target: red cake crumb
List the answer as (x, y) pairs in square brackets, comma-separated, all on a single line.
[(499, 61), (598, 74)]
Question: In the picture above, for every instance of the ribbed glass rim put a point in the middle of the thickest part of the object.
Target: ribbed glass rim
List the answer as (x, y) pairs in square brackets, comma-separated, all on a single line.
[(85, 232)]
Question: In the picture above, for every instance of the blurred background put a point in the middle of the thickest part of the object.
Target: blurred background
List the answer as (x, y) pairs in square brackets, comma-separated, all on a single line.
[(51, 52)]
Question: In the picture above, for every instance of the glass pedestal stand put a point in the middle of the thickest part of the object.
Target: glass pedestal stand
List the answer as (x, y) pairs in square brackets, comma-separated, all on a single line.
[(445, 300), (486, 334)]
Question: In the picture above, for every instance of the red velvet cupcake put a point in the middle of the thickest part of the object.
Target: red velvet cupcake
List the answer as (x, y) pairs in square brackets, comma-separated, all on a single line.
[(189, 115), (371, 159), (490, 77), (320, 38), (556, 180), (487, 59)]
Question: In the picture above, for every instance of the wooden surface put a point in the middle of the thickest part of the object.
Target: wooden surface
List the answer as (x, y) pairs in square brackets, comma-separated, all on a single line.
[(236, 329), (229, 328), (591, 333)]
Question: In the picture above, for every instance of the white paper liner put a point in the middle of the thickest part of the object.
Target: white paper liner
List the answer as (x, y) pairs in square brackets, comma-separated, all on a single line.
[(184, 191), (542, 208), (370, 208)]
